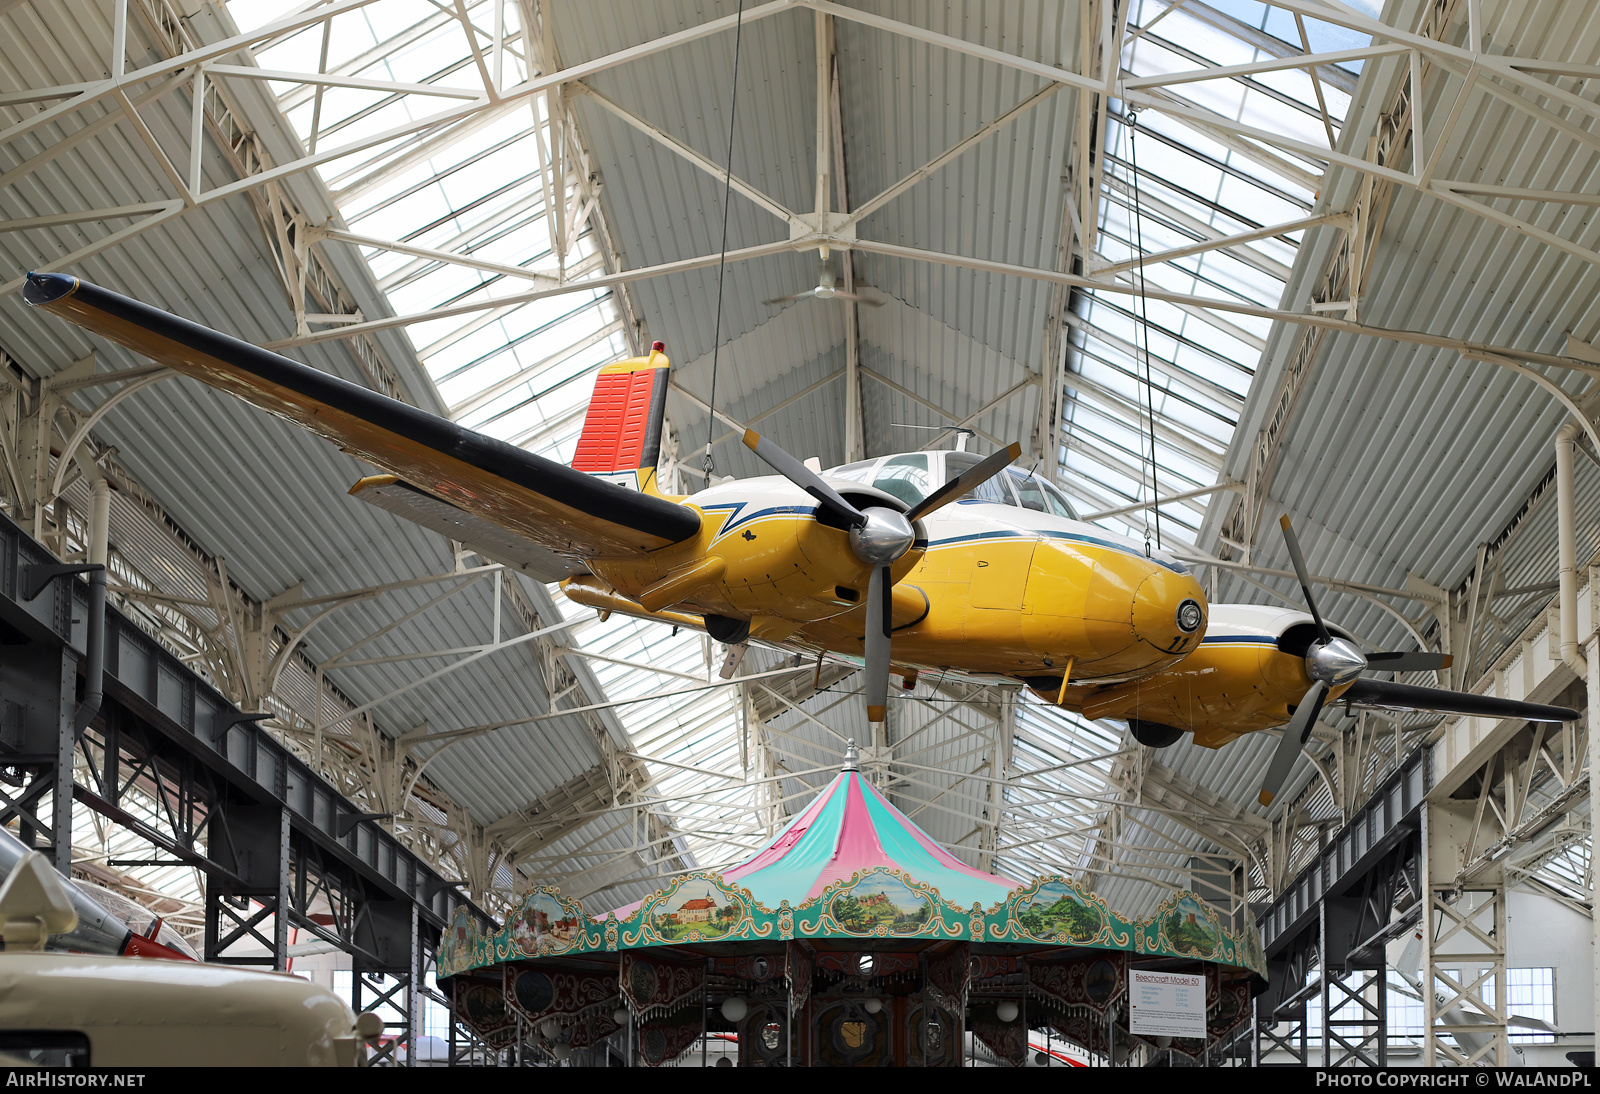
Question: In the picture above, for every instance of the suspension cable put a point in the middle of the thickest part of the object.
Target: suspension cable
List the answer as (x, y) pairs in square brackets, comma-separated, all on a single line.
[(722, 258), (1144, 325)]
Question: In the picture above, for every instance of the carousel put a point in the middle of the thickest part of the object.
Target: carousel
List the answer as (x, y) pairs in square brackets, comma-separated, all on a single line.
[(851, 939)]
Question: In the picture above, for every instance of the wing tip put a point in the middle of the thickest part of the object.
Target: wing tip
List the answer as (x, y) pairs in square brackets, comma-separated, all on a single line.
[(751, 439), (42, 288), (1265, 797), (1283, 522)]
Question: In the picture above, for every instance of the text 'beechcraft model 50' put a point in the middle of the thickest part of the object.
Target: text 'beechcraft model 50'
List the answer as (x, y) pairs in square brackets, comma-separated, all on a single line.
[(938, 561)]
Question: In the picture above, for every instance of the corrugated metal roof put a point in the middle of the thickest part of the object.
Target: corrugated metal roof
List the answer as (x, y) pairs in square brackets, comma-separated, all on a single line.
[(1400, 460)]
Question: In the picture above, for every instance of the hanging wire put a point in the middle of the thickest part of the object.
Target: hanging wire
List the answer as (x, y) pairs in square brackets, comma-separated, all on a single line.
[(722, 258), (1144, 327)]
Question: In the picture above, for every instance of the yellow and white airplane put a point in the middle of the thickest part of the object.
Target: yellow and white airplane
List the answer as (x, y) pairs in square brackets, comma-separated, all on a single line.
[(940, 561)]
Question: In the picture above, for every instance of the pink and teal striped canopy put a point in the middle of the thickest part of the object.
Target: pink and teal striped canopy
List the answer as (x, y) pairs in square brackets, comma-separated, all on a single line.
[(851, 827)]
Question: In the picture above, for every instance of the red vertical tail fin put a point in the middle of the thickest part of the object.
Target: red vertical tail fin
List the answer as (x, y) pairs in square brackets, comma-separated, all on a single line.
[(621, 438)]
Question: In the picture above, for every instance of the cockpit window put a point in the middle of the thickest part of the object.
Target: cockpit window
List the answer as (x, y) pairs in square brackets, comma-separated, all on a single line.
[(1059, 505), (1030, 495), (906, 477), (991, 490), (1036, 494)]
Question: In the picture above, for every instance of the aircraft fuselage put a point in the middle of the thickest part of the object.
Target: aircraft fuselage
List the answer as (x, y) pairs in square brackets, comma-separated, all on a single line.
[(989, 589)]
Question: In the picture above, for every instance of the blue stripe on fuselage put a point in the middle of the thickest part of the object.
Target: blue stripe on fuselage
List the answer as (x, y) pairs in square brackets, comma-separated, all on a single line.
[(1071, 537), (735, 521)]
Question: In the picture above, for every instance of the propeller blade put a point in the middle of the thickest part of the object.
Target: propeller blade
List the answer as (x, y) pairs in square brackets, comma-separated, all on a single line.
[(858, 298), (1409, 662), (879, 599), (1386, 693), (803, 477), (1300, 572), (1294, 739), (973, 476), (786, 299)]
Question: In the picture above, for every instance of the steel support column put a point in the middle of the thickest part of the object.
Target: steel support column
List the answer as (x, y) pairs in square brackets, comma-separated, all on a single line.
[(416, 1026), (38, 698), (169, 759), (1292, 1039), (253, 887), (1463, 929), (1355, 1024)]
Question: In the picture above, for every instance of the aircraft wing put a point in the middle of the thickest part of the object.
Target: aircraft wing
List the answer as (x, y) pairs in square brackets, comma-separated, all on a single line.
[(566, 512), (491, 541)]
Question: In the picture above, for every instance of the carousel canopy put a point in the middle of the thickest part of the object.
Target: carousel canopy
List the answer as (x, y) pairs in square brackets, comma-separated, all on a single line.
[(850, 867), (851, 828)]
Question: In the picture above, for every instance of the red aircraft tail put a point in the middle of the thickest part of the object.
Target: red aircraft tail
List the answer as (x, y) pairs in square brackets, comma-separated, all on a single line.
[(621, 439)]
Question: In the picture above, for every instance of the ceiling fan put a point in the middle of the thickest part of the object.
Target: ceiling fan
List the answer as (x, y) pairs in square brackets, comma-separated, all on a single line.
[(827, 288)]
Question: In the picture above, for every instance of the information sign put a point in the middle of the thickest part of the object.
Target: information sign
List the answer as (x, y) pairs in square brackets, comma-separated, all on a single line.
[(1166, 1004)]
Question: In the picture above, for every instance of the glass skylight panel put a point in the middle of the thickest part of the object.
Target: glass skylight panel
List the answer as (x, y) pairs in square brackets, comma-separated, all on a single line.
[(1192, 181)]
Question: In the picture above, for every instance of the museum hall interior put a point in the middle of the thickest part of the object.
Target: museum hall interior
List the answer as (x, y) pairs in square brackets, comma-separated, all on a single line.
[(799, 533)]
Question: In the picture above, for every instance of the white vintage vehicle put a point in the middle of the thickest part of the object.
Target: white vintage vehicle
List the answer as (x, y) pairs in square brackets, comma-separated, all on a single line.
[(80, 1010)]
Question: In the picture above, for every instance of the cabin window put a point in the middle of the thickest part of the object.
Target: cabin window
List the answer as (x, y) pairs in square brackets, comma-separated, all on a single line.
[(855, 472), (1059, 505), (991, 489), (906, 477)]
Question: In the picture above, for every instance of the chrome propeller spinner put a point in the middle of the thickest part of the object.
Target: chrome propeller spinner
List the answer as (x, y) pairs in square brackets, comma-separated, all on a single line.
[(883, 537), (1334, 662)]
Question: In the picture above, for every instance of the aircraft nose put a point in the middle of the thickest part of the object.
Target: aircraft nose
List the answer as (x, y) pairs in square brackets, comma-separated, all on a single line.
[(1169, 611)]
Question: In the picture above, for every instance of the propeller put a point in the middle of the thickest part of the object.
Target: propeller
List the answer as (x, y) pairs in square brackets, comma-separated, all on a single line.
[(1332, 662), (879, 536), (805, 478), (827, 288), (1409, 662), (1396, 696), (1294, 738)]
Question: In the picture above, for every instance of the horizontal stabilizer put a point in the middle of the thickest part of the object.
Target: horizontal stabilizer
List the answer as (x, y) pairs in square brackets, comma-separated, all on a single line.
[(1382, 693), (473, 532)]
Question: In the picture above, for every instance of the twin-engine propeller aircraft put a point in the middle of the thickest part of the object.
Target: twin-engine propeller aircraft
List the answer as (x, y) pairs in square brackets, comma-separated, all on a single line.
[(942, 561)]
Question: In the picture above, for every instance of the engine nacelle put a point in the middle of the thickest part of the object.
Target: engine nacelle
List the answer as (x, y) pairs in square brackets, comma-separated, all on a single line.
[(765, 549), (1246, 675)]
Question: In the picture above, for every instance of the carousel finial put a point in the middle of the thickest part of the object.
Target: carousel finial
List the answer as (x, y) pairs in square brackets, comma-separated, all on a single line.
[(852, 758)]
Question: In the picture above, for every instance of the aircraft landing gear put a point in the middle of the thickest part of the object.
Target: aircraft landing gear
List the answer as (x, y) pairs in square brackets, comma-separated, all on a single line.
[(730, 632), (1154, 734)]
